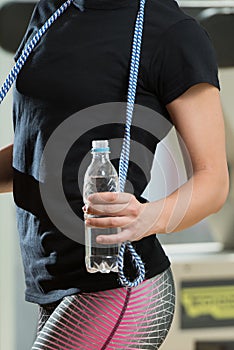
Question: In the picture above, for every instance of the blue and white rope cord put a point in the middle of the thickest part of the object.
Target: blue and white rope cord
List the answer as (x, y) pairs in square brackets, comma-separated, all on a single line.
[(125, 153), (124, 157)]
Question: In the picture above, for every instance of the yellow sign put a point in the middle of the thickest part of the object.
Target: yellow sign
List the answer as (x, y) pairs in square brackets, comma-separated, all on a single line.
[(215, 301)]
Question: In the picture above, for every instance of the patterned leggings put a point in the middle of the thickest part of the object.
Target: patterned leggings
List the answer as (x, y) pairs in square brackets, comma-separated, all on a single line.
[(136, 318)]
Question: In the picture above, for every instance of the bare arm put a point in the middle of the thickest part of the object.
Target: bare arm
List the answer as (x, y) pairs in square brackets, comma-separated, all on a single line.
[(197, 116), (6, 171)]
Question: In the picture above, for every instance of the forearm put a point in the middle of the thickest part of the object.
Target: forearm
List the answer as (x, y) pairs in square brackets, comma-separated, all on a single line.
[(6, 170), (203, 195), (197, 116)]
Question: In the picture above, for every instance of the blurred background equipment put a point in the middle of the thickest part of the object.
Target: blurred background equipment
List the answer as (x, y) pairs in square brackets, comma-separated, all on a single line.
[(204, 273), (217, 17), (202, 257)]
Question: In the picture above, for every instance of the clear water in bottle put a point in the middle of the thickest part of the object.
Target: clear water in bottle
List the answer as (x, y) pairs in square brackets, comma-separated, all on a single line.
[(101, 176)]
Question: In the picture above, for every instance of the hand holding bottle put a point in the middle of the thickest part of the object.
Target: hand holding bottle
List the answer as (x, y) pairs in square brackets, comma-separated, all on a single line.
[(136, 220)]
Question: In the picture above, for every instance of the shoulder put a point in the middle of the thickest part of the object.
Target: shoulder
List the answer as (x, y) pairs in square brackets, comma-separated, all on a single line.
[(168, 26), (160, 15), (181, 55), (166, 21)]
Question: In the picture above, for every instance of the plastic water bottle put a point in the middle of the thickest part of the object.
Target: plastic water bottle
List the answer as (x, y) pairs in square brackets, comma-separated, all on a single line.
[(100, 176)]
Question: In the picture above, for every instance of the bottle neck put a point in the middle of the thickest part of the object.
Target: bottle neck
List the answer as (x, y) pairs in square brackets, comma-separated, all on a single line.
[(101, 156)]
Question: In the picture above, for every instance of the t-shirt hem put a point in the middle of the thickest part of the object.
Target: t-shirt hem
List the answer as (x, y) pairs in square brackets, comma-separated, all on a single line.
[(163, 267), (56, 296), (53, 297)]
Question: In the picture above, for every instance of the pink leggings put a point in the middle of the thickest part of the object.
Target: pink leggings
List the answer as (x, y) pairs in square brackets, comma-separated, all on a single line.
[(136, 318)]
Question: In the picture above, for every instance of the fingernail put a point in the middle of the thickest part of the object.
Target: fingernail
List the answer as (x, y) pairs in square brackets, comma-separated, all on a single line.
[(99, 239)]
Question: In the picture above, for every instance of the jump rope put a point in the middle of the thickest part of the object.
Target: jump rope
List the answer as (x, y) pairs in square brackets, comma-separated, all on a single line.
[(125, 151)]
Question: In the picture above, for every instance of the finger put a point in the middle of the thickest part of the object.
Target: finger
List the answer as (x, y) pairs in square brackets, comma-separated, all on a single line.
[(122, 236), (109, 197), (115, 221), (118, 238), (108, 209)]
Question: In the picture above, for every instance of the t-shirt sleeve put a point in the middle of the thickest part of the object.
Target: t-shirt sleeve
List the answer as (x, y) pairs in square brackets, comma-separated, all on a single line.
[(184, 57)]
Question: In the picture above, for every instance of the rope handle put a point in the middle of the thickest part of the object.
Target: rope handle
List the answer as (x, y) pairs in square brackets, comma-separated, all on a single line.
[(124, 157), (127, 246)]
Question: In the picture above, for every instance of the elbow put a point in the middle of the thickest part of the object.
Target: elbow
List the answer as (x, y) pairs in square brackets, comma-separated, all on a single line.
[(222, 191)]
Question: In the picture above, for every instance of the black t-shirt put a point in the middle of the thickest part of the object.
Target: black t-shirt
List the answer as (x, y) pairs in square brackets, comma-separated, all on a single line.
[(82, 61)]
